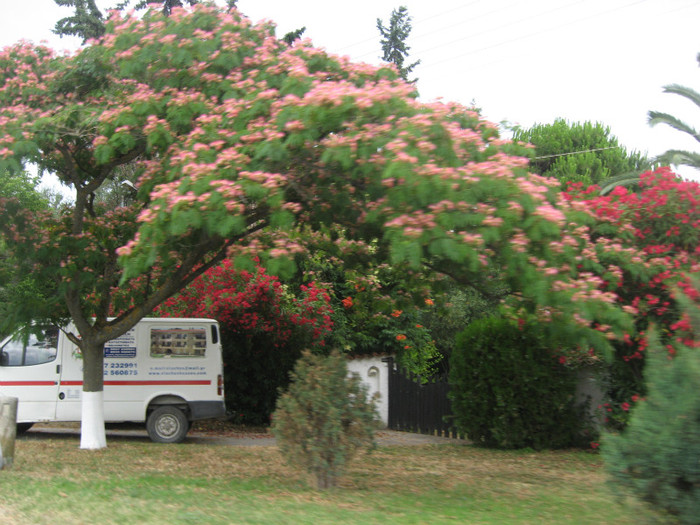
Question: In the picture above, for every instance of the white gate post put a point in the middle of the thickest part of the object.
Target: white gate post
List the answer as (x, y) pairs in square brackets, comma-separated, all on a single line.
[(8, 430)]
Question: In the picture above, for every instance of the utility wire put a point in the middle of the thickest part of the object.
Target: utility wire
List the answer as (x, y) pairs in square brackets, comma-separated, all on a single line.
[(530, 35), (574, 152), (520, 21)]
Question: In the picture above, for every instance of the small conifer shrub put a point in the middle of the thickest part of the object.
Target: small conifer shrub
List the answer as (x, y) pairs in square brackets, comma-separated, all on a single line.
[(657, 456), (324, 418)]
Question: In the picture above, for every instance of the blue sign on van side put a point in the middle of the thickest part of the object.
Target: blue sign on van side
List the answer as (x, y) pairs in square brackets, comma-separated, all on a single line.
[(122, 346), (120, 351)]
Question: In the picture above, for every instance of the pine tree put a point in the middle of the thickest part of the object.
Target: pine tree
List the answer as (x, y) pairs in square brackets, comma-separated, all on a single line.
[(290, 37), (394, 41)]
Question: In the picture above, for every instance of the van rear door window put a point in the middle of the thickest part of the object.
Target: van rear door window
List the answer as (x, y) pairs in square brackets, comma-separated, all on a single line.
[(178, 342)]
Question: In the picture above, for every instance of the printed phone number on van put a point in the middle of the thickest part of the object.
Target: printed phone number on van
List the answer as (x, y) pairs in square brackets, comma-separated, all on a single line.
[(120, 369)]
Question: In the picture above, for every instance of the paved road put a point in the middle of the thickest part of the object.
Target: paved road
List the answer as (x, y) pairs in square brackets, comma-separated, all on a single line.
[(384, 437)]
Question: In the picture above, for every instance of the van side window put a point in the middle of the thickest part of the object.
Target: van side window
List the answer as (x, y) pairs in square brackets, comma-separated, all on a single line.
[(178, 342), (32, 349)]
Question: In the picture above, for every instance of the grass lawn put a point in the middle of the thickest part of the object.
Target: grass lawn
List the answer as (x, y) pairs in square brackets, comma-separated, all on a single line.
[(136, 481)]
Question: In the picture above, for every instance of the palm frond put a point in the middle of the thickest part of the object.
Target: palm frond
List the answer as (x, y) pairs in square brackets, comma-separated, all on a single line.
[(680, 157), (656, 117), (627, 180), (684, 91)]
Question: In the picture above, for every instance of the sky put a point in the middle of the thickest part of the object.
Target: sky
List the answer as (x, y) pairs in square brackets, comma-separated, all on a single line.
[(521, 61)]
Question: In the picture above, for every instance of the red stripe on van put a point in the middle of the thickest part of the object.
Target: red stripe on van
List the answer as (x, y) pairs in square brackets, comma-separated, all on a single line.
[(143, 383), (154, 382), (28, 383)]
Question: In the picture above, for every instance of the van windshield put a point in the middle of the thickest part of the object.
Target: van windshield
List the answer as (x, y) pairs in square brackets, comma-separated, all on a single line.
[(30, 349)]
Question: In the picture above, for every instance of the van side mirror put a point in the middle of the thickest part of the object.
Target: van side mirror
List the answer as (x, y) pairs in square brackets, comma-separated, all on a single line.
[(4, 359)]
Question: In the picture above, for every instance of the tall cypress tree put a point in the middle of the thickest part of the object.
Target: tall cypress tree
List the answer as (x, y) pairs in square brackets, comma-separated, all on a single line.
[(87, 22), (394, 41)]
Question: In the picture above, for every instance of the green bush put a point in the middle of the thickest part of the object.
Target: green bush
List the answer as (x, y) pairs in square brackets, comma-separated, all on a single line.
[(509, 391), (324, 418), (657, 456)]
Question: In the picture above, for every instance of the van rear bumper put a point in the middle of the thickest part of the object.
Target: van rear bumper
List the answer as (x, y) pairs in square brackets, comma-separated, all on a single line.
[(206, 409)]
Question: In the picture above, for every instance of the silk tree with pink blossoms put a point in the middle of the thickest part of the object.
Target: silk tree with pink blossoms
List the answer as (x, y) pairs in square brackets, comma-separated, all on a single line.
[(239, 139)]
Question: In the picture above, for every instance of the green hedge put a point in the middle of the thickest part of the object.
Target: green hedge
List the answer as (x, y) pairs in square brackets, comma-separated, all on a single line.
[(508, 390)]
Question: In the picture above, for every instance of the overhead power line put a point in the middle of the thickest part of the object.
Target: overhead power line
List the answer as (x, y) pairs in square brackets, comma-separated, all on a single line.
[(529, 35), (574, 152)]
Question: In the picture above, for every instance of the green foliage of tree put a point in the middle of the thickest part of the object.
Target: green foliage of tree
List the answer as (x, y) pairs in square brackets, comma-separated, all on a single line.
[(393, 41), (87, 22), (657, 457), (242, 143), (21, 293), (453, 310), (324, 418), (674, 156), (377, 307), (575, 152), (24, 188), (509, 389)]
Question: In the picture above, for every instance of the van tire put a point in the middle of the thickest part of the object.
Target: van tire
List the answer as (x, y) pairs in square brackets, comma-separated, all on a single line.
[(167, 424)]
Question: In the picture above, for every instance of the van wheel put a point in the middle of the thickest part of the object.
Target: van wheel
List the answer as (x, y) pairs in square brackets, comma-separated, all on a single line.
[(167, 424)]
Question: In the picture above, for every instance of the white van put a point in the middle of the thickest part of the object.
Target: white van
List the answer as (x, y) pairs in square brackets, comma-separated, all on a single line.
[(164, 372)]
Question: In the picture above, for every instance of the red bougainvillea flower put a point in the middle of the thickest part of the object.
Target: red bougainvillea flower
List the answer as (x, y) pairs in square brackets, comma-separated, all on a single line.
[(401, 337), (347, 302), (396, 313)]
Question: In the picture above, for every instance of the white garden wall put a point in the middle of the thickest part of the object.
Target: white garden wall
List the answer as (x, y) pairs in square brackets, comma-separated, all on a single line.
[(375, 374), (590, 390)]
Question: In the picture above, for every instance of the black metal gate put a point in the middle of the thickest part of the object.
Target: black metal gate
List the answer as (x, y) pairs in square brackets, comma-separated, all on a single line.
[(416, 406)]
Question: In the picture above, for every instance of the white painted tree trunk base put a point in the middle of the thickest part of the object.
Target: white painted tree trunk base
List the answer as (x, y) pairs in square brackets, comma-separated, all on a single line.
[(92, 427)]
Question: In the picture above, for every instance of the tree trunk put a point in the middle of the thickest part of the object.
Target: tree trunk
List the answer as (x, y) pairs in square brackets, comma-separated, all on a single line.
[(92, 430)]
